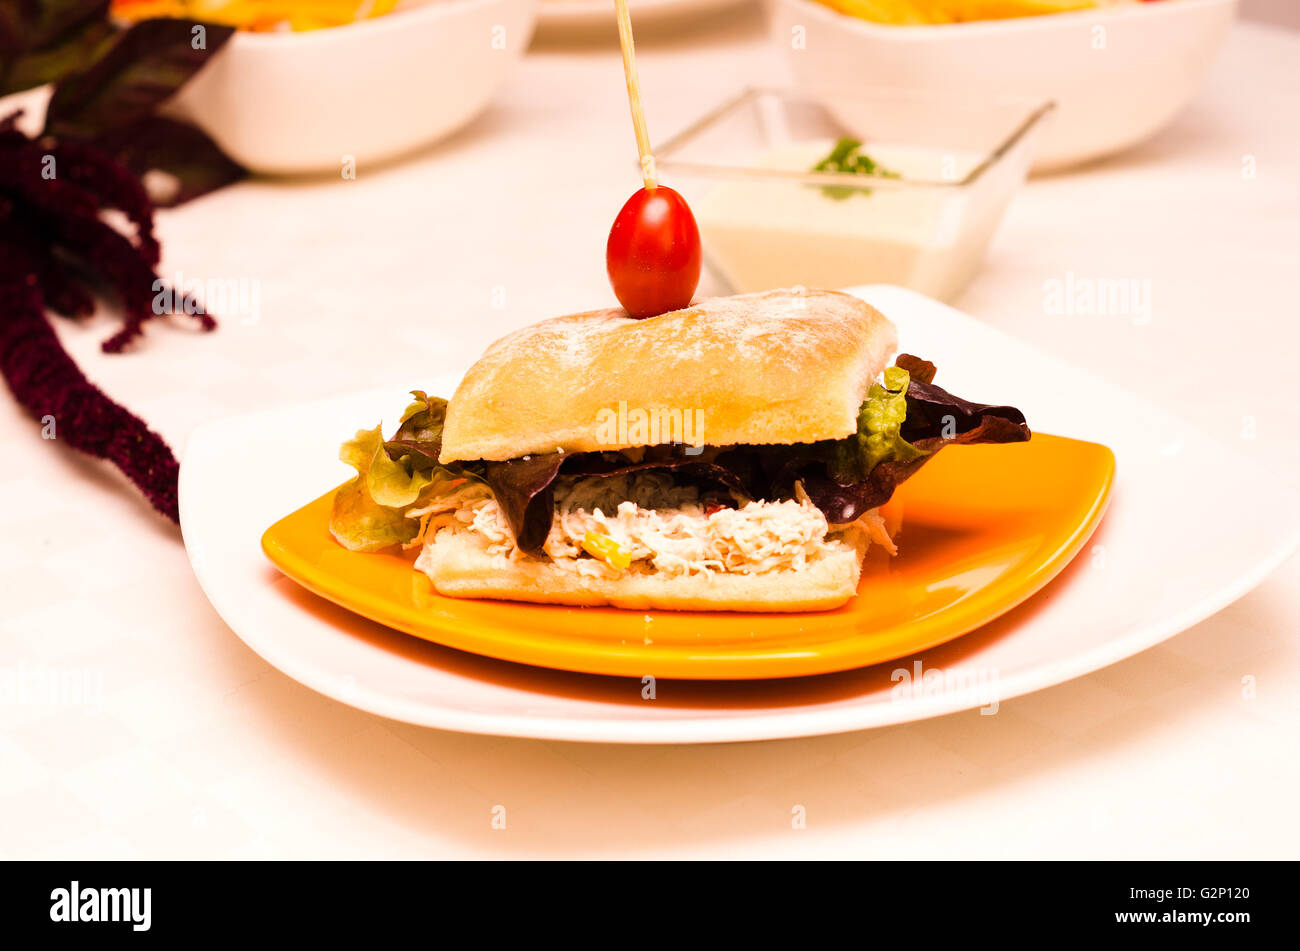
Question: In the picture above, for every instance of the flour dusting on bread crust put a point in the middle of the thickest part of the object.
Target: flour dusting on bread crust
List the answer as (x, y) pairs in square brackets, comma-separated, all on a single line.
[(772, 368)]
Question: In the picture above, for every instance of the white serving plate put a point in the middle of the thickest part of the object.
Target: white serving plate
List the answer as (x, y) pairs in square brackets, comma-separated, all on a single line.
[(1151, 570), (1117, 75), (285, 103)]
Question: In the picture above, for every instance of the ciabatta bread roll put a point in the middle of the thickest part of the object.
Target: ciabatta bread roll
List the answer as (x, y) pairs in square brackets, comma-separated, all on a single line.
[(776, 367)]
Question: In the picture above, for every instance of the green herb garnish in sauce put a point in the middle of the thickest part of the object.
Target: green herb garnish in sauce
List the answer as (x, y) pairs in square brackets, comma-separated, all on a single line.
[(846, 159)]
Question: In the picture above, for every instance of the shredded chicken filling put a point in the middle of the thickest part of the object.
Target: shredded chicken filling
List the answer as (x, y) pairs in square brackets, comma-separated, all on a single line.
[(656, 524)]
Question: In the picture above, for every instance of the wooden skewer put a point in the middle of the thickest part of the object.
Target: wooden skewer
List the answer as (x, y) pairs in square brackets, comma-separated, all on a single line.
[(634, 95)]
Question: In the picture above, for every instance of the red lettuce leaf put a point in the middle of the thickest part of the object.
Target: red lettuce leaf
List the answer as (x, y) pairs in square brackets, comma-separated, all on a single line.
[(935, 419), (524, 488), (918, 370), (842, 503), (933, 411), (708, 468), (420, 435)]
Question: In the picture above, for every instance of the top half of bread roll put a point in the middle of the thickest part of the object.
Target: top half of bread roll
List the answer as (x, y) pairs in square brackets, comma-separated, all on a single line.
[(779, 367)]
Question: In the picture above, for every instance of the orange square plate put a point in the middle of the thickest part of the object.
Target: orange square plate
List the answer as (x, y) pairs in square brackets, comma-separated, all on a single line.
[(984, 528)]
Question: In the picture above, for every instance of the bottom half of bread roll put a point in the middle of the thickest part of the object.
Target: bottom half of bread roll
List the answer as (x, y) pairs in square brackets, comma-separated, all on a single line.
[(644, 541)]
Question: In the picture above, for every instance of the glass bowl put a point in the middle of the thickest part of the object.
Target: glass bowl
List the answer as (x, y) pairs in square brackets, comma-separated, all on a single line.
[(936, 179)]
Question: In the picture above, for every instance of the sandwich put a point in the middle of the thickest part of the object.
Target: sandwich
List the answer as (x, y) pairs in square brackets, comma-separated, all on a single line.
[(733, 455)]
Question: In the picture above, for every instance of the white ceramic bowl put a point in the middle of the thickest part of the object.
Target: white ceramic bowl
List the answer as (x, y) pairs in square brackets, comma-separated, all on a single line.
[(301, 102), (1117, 74)]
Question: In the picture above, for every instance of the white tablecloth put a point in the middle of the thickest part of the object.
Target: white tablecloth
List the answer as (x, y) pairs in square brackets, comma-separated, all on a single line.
[(192, 746)]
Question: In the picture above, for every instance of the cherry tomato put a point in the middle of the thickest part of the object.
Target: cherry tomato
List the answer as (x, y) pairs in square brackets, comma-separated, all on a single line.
[(653, 254)]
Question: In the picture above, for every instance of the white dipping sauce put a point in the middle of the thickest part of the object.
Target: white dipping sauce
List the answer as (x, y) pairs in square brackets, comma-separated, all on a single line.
[(763, 233)]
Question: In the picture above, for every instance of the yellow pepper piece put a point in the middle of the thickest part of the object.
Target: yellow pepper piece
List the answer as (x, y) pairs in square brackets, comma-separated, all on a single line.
[(966, 10), (923, 12), (895, 12), (258, 15), (606, 549)]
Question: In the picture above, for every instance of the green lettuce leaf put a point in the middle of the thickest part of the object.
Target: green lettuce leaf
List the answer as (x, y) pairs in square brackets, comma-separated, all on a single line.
[(395, 483), (23, 69), (358, 523), (879, 439), (369, 512), (27, 26)]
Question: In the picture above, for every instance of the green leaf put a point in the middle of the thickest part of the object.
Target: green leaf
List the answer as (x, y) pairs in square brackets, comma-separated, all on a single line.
[(369, 512), (391, 482), (845, 159), (358, 523), (85, 43), (881, 418), (839, 155), (27, 26)]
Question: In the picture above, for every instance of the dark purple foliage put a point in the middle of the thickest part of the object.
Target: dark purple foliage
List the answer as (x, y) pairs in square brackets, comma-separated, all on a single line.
[(109, 83), (101, 137), (54, 248)]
